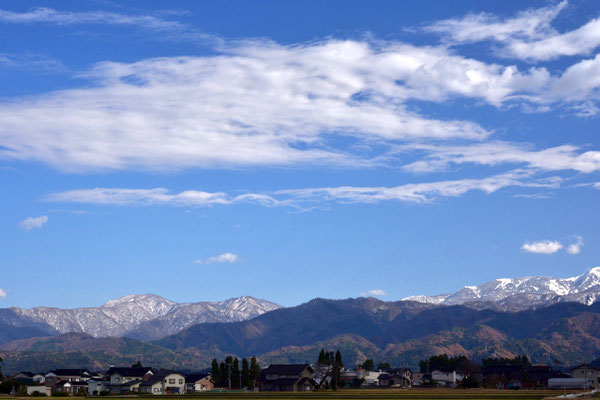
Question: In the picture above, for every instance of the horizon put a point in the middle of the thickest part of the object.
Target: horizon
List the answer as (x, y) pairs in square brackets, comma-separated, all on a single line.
[(294, 150), (364, 295)]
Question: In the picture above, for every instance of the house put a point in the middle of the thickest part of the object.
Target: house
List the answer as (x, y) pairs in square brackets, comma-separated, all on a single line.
[(588, 372), (57, 375), (31, 389), (371, 378), (73, 387), (127, 379), (286, 378), (39, 378), (96, 386), (198, 383), (55, 379), (446, 376), (164, 382)]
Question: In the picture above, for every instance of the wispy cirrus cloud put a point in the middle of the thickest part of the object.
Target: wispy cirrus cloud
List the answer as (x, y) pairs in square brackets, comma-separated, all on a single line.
[(529, 35), (56, 17), (559, 158), (33, 222), (222, 258), (424, 192), (158, 196), (542, 247)]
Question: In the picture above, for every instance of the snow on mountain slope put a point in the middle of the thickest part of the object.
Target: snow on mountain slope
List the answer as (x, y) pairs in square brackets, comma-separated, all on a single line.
[(187, 314), (521, 293), (128, 313)]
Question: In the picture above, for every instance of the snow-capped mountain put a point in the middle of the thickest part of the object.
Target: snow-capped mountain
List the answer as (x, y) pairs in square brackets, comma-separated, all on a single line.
[(137, 312), (522, 293)]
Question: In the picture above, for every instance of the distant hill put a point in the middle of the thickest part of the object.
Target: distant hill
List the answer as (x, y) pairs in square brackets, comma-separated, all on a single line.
[(97, 354), (404, 332), (401, 333)]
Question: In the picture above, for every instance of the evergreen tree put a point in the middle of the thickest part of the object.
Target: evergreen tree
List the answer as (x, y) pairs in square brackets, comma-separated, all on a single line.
[(235, 373), (322, 356), (222, 374), (338, 359), (382, 366), (137, 365), (214, 370), (368, 365), (254, 370), (1, 368), (246, 381)]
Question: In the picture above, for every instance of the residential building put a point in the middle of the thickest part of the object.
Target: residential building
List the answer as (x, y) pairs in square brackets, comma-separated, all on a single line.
[(286, 378), (164, 382), (97, 386), (127, 379), (446, 376), (199, 383), (588, 372)]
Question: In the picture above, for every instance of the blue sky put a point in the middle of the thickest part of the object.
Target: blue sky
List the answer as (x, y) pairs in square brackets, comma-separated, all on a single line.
[(292, 150)]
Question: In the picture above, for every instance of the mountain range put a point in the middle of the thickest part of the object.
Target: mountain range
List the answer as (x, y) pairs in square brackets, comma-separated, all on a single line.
[(553, 321), (522, 293), (138, 316)]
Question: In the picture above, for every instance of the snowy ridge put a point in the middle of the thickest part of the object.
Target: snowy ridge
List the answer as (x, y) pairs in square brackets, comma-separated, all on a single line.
[(522, 293), (128, 313)]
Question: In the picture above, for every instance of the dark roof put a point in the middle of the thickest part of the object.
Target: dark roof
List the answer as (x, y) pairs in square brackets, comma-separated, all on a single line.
[(384, 376), (138, 372), (286, 369), (132, 382), (586, 366), (191, 378), (26, 373), (444, 370), (398, 370), (70, 372)]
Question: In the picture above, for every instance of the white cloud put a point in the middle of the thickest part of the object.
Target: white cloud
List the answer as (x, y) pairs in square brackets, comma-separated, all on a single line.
[(51, 16), (565, 157), (158, 196), (575, 248), (420, 192), (412, 192), (374, 292), (3, 293), (33, 222), (257, 104), (542, 247), (222, 258), (529, 35)]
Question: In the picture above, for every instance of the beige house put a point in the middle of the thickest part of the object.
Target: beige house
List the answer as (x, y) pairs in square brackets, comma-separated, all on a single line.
[(588, 372), (164, 382), (199, 383)]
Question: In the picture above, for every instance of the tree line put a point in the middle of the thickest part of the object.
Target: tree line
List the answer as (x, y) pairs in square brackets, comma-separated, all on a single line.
[(229, 374)]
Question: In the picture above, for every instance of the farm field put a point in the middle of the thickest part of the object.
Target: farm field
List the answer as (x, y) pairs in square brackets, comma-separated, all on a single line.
[(475, 394)]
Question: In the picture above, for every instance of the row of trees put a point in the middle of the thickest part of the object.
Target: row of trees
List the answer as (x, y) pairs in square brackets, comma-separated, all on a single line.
[(369, 365), (228, 373)]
